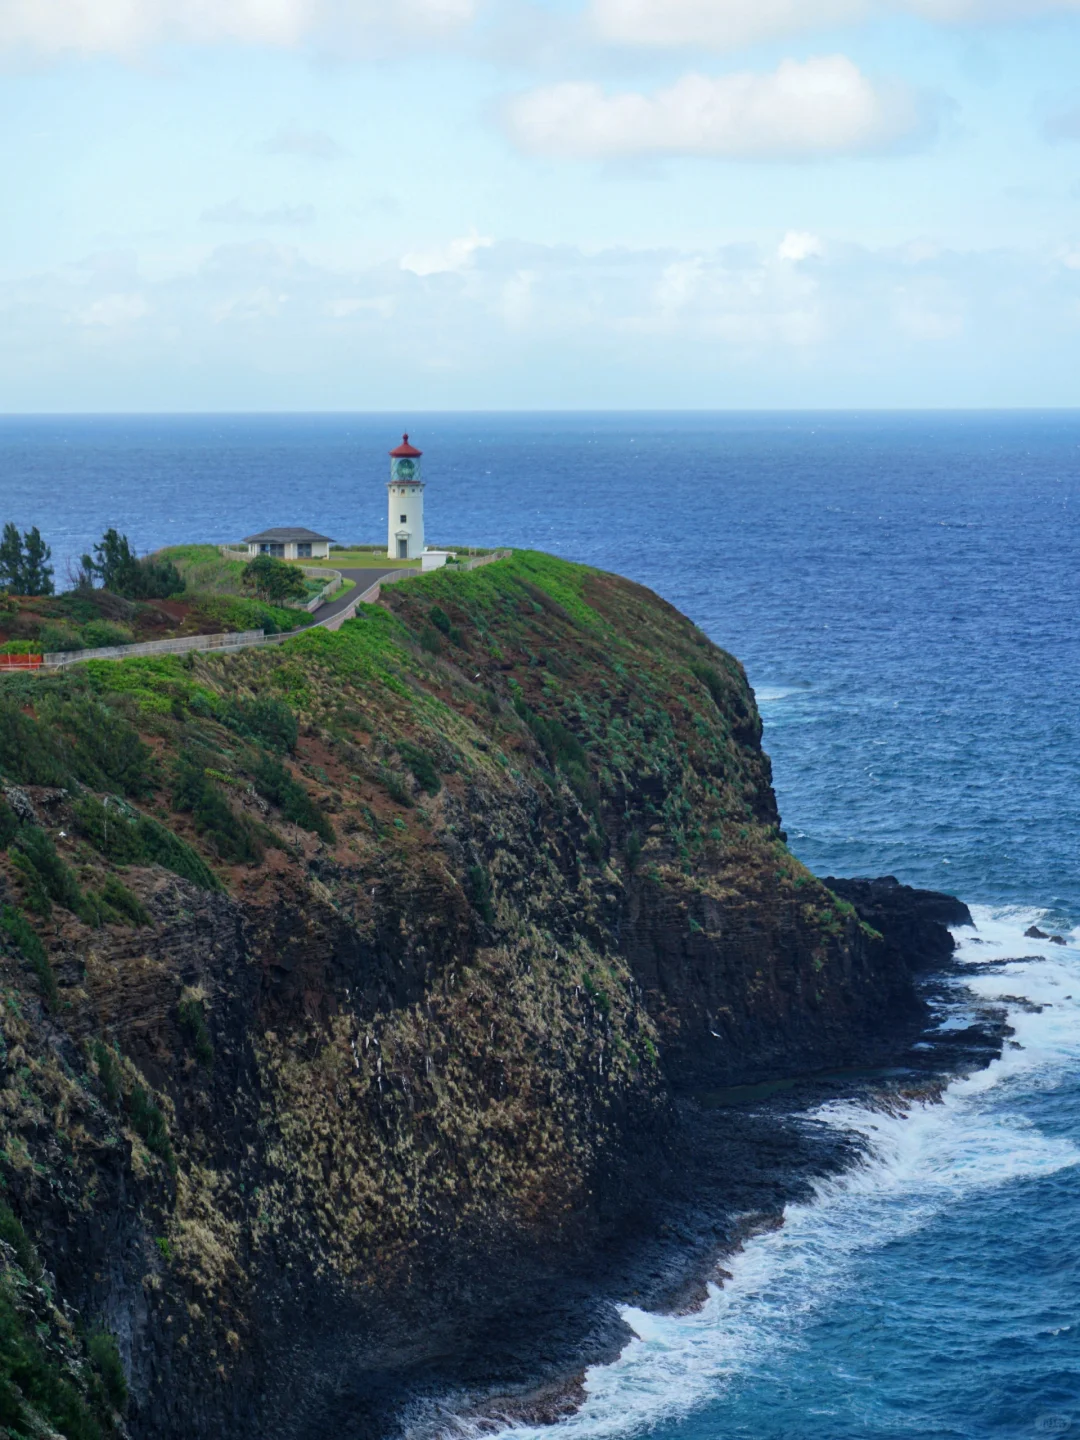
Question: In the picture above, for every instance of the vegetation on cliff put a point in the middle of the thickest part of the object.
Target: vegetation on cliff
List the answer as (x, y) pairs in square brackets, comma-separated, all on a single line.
[(327, 967)]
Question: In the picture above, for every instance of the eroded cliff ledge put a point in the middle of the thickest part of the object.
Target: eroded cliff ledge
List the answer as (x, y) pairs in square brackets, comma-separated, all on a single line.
[(349, 983)]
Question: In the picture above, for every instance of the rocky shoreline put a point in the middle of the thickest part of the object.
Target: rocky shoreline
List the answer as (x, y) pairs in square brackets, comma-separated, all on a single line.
[(747, 1153)]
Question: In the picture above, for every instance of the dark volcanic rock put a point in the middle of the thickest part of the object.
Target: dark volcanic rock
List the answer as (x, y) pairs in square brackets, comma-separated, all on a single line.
[(913, 923)]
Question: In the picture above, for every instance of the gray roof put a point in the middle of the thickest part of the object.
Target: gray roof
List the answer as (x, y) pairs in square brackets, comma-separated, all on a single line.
[(281, 537)]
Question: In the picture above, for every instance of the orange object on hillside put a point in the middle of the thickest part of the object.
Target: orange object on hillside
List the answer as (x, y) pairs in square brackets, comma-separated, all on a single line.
[(21, 662)]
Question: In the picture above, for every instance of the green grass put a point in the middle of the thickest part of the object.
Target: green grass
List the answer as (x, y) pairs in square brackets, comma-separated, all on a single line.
[(204, 568)]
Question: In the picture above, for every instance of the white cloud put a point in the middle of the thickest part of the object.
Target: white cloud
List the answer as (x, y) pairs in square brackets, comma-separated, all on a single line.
[(721, 24), (729, 24), (456, 256), (802, 110), (233, 213), (128, 26), (799, 245), (258, 325), (113, 310)]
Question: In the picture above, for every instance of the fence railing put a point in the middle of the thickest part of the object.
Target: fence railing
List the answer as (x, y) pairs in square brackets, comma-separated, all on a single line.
[(231, 640)]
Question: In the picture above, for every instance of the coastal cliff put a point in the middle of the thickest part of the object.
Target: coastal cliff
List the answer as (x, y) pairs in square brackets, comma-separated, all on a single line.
[(354, 985)]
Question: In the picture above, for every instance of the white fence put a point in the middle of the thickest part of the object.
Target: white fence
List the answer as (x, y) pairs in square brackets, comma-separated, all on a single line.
[(232, 640)]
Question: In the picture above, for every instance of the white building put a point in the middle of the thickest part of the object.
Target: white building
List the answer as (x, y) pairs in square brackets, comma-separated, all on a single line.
[(405, 492), (290, 544)]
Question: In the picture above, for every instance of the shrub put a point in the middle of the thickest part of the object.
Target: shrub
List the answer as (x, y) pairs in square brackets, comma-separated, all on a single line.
[(273, 580), (36, 857), (18, 929), (276, 784), (441, 621), (148, 1121), (114, 905), (131, 839), (100, 633), (105, 1357), (632, 850), (12, 1232), (231, 835), (54, 638), (267, 720), (479, 889), (27, 751), (108, 1069), (121, 571), (33, 1387), (422, 766), (192, 1017), (9, 824), (103, 747), (162, 847), (396, 788)]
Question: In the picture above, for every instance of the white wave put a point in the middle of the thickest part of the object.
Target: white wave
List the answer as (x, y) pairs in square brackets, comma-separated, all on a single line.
[(976, 1138)]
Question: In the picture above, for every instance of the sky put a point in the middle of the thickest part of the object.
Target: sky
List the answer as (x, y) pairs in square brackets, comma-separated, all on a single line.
[(483, 204)]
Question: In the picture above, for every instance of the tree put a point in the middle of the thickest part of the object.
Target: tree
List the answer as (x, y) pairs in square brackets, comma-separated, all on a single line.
[(24, 562), (273, 580), (123, 573)]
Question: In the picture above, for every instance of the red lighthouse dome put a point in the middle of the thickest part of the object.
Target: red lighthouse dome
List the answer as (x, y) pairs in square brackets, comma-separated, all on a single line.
[(405, 451)]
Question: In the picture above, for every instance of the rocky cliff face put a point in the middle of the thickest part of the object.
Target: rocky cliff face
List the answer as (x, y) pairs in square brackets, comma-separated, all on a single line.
[(349, 986)]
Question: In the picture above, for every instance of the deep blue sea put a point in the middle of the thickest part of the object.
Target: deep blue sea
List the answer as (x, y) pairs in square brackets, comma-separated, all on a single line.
[(904, 590)]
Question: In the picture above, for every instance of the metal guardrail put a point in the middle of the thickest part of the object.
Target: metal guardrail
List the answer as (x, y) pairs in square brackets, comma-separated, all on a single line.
[(231, 640)]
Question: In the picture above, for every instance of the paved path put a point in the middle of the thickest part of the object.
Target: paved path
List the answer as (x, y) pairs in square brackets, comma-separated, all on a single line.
[(364, 577)]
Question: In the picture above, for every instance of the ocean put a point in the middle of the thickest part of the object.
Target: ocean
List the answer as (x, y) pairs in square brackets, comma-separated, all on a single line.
[(904, 590)]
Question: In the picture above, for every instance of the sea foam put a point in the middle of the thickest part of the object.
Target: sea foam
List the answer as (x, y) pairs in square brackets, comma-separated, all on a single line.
[(918, 1162)]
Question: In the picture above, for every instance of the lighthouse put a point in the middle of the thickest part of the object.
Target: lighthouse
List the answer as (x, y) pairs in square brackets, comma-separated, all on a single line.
[(405, 530)]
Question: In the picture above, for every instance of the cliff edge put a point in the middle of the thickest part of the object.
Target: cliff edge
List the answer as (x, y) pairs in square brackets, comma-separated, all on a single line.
[(351, 986)]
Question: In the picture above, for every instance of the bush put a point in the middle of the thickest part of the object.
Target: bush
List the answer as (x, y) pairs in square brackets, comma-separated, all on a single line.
[(273, 580), (441, 621), (396, 788), (479, 890), (33, 1388), (55, 638), (81, 739), (140, 840), (267, 720), (27, 751), (148, 1121), (103, 747), (9, 824), (192, 1018), (276, 784), (37, 858), (108, 1069), (162, 847), (101, 633), (113, 905), (422, 766), (231, 835), (121, 571), (105, 1357), (18, 929), (12, 1232)]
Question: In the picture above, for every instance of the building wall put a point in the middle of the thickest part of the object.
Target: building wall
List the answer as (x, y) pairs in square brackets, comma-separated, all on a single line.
[(407, 500)]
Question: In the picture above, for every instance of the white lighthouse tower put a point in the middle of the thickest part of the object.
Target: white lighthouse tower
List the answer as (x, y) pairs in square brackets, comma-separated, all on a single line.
[(405, 531)]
